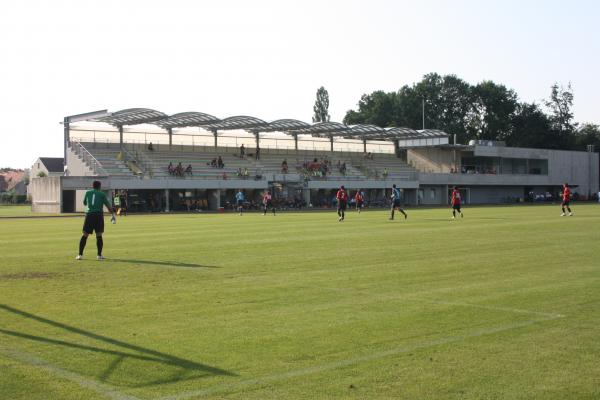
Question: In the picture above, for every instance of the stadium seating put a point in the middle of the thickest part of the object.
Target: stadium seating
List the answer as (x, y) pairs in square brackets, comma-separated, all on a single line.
[(138, 160)]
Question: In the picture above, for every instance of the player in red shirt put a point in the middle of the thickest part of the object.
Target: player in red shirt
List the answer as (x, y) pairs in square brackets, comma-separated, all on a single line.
[(456, 202), (358, 197), (342, 202), (268, 202), (566, 197)]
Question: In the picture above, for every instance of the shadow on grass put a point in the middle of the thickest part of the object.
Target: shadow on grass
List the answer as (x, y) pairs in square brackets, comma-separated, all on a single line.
[(174, 369), (160, 263)]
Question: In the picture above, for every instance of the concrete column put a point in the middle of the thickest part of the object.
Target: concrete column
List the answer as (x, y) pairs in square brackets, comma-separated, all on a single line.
[(306, 194), (296, 142), (331, 141), (121, 135), (167, 206), (67, 134), (215, 135), (170, 131), (364, 145), (214, 199)]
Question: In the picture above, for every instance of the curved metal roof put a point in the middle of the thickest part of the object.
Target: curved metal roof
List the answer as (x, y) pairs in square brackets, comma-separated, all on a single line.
[(401, 133), (326, 129), (431, 133), (132, 116), (364, 131), (285, 125), (238, 122), (135, 116), (186, 119)]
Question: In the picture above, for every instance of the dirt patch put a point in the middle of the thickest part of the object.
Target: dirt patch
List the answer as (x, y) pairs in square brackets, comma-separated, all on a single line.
[(28, 275)]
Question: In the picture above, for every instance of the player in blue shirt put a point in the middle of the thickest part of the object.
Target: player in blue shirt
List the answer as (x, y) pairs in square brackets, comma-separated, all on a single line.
[(396, 202), (239, 200)]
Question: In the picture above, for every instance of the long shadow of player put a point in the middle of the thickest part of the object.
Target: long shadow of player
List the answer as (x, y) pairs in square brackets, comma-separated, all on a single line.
[(126, 351), (161, 263)]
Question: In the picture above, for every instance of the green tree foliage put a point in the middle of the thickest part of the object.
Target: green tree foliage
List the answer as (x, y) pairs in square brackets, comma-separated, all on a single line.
[(484, 111), (587, 134), (321, 107)]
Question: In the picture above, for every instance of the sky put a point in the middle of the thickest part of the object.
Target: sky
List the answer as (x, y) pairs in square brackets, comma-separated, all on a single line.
[(267, 58)]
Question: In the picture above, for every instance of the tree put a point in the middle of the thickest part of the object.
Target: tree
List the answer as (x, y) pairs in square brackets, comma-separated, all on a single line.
[(492, 110), (530, 127), (321, 107), (41, 174), (560, 104), (587, 134), (377, 108)]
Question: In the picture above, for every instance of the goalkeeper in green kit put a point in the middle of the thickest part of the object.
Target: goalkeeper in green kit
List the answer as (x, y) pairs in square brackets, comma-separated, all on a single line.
[(94, 200)]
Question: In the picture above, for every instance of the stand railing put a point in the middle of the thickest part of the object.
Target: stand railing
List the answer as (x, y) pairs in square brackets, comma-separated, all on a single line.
[(87, 157)]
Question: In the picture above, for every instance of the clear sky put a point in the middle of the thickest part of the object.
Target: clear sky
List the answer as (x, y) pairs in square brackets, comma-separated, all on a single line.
[(267, 58)]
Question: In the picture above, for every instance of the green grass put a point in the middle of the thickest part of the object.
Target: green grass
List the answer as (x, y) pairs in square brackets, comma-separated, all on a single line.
[(23, 210), (503, 304)]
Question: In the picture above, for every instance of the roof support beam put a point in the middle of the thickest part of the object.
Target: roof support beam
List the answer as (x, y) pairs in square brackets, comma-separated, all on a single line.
[(364, 145), (121, 135), (295, 142), (215, 135), (170, 131), (331, 141), (257, 155)]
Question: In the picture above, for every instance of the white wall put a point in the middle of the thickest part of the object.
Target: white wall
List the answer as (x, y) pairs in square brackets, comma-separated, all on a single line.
[(46, 194)]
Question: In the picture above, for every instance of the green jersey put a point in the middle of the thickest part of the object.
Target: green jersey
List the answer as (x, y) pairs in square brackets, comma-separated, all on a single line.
[(94, 200)]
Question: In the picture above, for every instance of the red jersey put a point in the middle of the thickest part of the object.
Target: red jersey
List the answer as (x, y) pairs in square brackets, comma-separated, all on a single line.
[(358, 197), (455, 197), (266, 198), (341, 195), (566, 194)]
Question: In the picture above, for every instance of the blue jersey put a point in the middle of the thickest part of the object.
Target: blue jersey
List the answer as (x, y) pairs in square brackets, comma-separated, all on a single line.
[(396, 194), (239, 196)]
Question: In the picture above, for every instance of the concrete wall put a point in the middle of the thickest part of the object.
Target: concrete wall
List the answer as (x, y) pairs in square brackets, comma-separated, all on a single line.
[(494, 195), (433, 195), (46, 194), (76, 167), (574, 167), (433, 160)]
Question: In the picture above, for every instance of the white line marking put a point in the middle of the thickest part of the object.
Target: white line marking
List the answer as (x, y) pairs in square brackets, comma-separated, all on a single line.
[(351, 361), (98, 387), (507, 309)]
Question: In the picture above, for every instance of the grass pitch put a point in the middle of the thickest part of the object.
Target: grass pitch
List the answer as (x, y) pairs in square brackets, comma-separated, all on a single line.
[(503, 304)]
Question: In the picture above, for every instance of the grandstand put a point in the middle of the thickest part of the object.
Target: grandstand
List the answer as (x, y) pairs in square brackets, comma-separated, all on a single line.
[(115, 148)]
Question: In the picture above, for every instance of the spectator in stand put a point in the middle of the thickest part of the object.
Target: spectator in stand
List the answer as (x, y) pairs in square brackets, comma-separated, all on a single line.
[(242, 151), (220, 162), (150, 147), (239, 172), (213, 163), (188, 170), (246, 173), (385, 173), (179, 169), (171, 169), (284, 166)]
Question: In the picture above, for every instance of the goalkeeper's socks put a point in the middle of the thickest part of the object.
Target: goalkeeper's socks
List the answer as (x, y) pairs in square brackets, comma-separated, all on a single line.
[(82, 243), (99, 244)]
